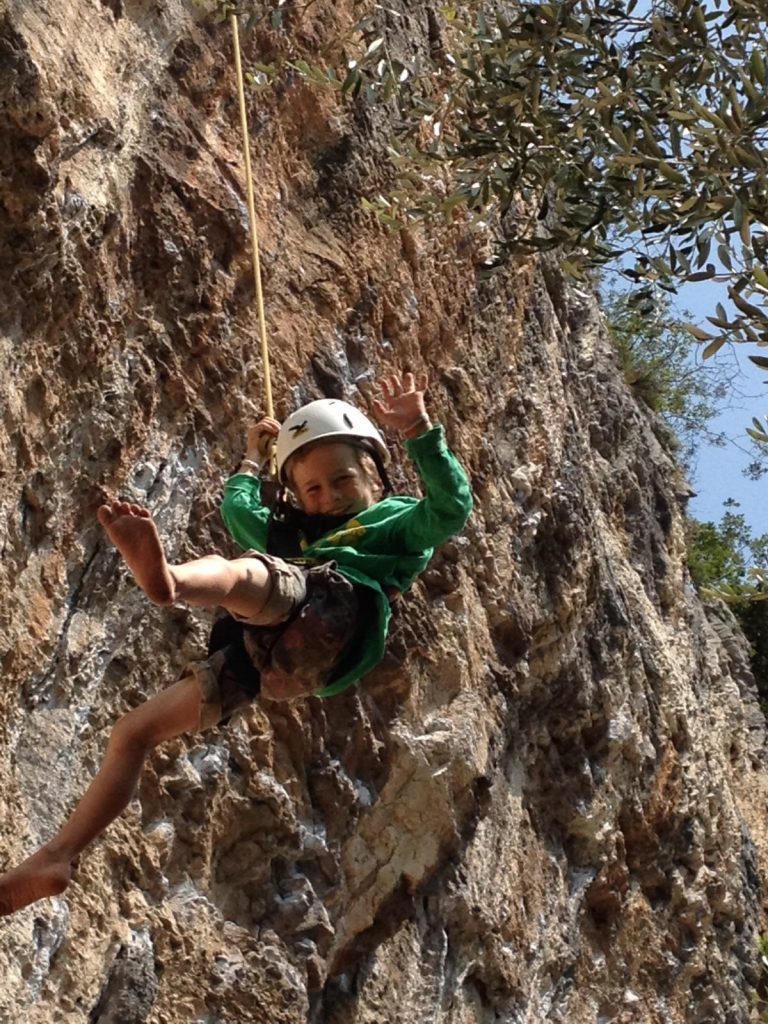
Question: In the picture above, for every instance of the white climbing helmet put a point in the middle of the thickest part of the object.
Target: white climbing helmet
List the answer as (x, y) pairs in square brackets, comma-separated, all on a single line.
[(322, 420)]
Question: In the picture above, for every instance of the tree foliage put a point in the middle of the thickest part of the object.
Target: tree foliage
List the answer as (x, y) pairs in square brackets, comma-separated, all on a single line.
[(606, 132), (727, 560), (659, 366), (719, 558), (613, 130), (721, 553), (759, 430)]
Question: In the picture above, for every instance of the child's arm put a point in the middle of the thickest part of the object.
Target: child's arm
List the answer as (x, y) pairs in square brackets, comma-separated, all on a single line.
[(259, 442), (243, 513), (448, 501), (402, 407)]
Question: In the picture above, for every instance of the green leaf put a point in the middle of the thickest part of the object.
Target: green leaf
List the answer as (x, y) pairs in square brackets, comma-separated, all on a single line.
[(713, 347), (374, 46), (724, 255), (745, 307), (670, 173), (700, 24), (708, 115), (353, 79), (697, 332), (757, 65), (702, 275)]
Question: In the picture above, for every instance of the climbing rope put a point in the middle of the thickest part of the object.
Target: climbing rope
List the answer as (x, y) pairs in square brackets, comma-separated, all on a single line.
[(252, 218)]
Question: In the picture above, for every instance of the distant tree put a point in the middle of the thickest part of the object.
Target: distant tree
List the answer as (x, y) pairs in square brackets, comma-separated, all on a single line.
[(659, 366), (726, 560), (720, 554), (758, 467)]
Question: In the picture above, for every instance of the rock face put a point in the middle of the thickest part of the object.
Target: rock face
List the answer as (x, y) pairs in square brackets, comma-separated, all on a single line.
[(549, 803)]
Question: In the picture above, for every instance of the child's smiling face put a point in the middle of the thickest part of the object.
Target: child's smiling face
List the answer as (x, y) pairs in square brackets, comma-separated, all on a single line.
[(330, 480)]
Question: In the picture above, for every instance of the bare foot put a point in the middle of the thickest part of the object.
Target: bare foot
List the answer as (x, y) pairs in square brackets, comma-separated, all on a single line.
[(38, 876), (134, 534)]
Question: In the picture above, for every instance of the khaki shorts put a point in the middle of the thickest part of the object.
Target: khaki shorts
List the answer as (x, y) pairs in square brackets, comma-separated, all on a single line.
[(288, 589), (284, 659)]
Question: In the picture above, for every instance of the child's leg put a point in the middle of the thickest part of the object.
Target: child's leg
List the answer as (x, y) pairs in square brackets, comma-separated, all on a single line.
[(241, 586), (47, 872)]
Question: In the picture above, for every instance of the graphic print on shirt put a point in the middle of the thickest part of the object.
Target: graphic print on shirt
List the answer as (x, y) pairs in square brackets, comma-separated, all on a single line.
[(348, 537)]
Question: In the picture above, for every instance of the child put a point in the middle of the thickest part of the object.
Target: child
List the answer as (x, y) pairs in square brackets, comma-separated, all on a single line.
[(314, 622)]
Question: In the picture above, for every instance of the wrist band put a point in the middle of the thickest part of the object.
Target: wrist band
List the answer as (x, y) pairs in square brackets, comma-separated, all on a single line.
[(423, 420), (250, 464)]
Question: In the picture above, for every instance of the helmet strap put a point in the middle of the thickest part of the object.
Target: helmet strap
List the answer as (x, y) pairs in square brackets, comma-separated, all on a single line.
[(383, 475), (370, 449)]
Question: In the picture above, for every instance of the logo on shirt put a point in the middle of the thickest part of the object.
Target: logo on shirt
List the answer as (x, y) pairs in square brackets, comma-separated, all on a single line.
[(352, 532)]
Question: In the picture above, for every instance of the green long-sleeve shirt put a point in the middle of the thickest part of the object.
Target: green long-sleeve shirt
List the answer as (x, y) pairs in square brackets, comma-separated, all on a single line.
[(384, 547)]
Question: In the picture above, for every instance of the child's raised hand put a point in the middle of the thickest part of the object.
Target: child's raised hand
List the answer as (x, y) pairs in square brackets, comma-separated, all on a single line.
[(260, 437), (402, 405)]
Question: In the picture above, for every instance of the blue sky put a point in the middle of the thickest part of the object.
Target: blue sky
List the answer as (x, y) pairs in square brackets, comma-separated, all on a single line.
[(718, 474)]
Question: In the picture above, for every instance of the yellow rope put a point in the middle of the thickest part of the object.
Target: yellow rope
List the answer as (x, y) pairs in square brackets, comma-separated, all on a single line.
[(252, 217)]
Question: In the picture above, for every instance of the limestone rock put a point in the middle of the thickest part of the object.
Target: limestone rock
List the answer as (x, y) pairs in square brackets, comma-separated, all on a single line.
[(549, 802)]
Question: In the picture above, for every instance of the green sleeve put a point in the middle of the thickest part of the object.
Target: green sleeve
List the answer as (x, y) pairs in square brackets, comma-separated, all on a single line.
[(243, 513), (445, 508)]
